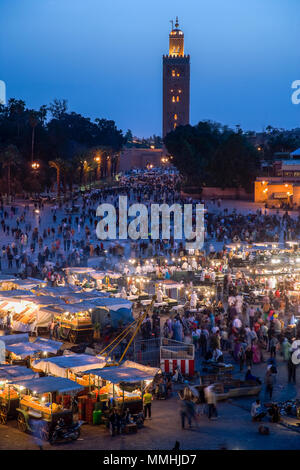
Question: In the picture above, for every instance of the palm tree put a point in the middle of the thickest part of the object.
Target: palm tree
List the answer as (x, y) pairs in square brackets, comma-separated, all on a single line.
[(59, 166), (10, 157), (33, 121)]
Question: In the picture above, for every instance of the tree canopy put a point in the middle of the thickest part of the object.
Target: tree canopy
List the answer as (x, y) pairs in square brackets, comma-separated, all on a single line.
[(209, 154), (53, 133)]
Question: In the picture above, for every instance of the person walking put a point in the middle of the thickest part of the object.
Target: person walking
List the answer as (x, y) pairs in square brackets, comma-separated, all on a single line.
[(51, 329), (147, 399), (241, 357), (187, 411), (269, 381), (211, 400), (273, 345), (291, 370)]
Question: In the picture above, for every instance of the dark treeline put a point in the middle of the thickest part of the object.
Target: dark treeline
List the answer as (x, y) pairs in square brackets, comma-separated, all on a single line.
[(210, 154), (67, 147)]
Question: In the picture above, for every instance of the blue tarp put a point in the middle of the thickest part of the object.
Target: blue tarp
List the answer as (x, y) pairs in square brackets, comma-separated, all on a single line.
[(120, 311), (59, 365), (13, 339), (127, 372), (26, 349), (49, 384), (7, 294), (11, 373)]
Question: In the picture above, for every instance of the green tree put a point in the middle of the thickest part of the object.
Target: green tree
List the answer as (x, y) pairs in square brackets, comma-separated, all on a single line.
[(10, 158), (209, 154), (59, 166)]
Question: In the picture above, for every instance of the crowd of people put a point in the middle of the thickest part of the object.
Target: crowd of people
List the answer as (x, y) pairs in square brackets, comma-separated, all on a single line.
[(39, 239)]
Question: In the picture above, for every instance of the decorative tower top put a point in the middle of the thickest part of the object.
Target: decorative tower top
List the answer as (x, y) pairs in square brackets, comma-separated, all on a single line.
[(176, 41)]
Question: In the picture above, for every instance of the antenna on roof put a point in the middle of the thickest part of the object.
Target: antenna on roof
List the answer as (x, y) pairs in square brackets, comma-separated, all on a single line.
[(172, 23)]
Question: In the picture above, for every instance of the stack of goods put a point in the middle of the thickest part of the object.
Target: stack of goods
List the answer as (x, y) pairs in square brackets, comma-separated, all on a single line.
[(27, 315), (89, 409), (8, 394), (82, 407)]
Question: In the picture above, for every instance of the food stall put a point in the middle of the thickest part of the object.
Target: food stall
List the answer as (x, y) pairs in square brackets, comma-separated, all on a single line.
[(78, 276), (171, 291), (22, 349), (28, 311), (106, 281), (73, 366), (113, 312), (8, 283), (123, 385), (76, 323), (43, 399), (9, 398)]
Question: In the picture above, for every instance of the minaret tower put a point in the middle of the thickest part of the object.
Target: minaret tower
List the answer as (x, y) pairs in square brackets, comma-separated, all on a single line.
[(176, 83)]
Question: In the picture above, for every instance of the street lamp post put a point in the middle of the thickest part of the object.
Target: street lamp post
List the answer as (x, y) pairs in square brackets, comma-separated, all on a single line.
[(98, 161)]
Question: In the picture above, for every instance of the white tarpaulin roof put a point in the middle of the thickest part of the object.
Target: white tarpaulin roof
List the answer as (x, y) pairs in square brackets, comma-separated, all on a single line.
[(49, 384), (30, 348), (17, 293), (127, 372), (102, 275), (79, 270), (11, 373), (13, 339), (111, 303), (59, 366)]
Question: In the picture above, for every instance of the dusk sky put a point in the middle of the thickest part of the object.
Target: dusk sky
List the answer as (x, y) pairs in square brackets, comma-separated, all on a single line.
[(105, 58)]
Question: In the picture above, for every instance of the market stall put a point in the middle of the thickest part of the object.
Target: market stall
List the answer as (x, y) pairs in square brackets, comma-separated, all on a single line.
[(22, 349), (111, 312), (8, 283), (123, 386), (76, 323), (78, 276), (9, 398), (42, 399), (73, 366)]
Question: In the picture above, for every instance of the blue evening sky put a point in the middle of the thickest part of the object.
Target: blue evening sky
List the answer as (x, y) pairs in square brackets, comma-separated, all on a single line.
[(105, 58)]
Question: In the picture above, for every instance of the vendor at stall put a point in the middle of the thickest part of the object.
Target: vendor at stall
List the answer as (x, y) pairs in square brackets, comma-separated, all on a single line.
[(194, 300)]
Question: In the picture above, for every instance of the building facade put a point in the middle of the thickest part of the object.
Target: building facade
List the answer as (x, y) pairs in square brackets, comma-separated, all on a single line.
[(283, 187), (133, 158), (176, 83)]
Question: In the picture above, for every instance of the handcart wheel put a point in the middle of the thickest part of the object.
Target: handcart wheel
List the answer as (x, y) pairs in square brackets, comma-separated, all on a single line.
[(72, 337), (3, 415), (44, 433), (21, 423)]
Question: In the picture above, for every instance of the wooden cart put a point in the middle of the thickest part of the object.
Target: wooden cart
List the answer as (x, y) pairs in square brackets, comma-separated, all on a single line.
[(77, 331), (28, 410)]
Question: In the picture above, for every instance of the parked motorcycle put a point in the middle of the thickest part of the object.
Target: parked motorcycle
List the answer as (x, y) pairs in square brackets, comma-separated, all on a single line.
[(63, 432)]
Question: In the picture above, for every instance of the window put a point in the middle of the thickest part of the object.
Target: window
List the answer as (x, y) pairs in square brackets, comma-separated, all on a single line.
[(175, 117), (173, 99), (175, 125), (173, 73), (177, 98)]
